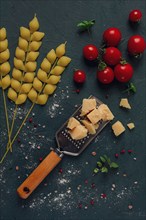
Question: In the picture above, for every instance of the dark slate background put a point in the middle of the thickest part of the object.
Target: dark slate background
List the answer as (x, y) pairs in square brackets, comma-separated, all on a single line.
[(59, 195)]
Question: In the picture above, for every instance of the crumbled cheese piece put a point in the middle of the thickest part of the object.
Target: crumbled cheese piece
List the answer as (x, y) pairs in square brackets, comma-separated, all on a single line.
[(105, 112), (78, 132), (130, 125), (89, 126), (72, 123), (87, 106), (124, 103), (118, 128), (94, 116)]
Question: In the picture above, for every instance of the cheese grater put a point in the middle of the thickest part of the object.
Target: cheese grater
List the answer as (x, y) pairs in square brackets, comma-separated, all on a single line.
[(66, 145)]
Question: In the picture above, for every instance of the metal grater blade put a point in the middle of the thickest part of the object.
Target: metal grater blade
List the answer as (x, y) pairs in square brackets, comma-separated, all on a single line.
[(74, 147)]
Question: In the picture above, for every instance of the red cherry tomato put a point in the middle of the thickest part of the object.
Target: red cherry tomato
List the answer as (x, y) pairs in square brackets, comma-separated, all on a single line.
[(90, 52), (123, 72), (112, 56), (79, 76), (136, 45), (105, 76), (135, 15), (112, 36)]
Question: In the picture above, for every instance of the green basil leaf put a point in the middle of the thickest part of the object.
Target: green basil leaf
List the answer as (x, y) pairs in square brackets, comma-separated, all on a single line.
[(99, 164), (114, 165), (102, 159), (104, 170), (96, 170)]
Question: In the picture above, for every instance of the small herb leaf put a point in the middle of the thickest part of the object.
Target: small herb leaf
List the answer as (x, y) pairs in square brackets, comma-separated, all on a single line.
[(114, 165), (108, 161), (104, 170), (102, 159), (99, 164), (96, 170), (86, 24)]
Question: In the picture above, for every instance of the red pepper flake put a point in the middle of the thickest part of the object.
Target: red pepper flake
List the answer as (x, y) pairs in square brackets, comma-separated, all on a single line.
[(30, 120), (116, 155), (122, 151), (103, 195), (93, 153), (18, 140), (86, 181), (93, 185), (130, 206), (77, 91), (40, 159), (92, 202), (60, 170), (130, 151), (17, 168), (79, 205)]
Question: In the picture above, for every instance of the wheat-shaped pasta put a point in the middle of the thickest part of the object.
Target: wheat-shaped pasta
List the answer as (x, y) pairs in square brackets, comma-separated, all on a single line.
[(48, 75), (4, 71), (25, 62)]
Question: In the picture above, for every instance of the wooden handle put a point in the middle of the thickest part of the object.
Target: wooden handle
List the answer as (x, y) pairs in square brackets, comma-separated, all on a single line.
[(38, 175)]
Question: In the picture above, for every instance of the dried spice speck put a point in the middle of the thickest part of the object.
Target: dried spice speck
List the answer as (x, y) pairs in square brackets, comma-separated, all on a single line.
[(17, 168), (130, 207), (93, 153)]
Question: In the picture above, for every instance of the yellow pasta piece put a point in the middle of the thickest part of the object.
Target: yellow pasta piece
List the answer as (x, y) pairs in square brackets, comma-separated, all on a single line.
[(20, 54), (60, 50), (64, 61), (30, 66), (28, 77), (37, 36), (23, 44), (51, 56), (18, 64), (25, 88), (6, 81), (25, 33), (32, 56), (15, 84), (17, 74), (5, 68), (46, 65), (49, 89), (34, 46), (42, 75), (53, 79), (3, 45), (3, 34), (42, 99), (32, 95), (34, 24), (37, 84), (57, 70), (4, 56), (21, 99), (12, 94)]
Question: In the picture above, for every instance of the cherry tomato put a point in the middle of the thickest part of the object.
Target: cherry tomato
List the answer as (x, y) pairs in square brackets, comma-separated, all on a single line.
[(136, 45), (106, 75), (135, 15), (112, 36), (112, 56), (79, 76), (90, 52), (123, 72)]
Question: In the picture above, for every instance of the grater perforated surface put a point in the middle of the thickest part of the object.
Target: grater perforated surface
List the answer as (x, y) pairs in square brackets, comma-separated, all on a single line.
[(74, 147)]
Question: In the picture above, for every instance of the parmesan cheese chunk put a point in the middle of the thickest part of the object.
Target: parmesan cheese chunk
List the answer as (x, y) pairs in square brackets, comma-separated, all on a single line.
[(125, 104), (105, 112), (78, 132), (72, 123), (87, 106), (118, 128), (131, 125), (94, 116), (89, 126)]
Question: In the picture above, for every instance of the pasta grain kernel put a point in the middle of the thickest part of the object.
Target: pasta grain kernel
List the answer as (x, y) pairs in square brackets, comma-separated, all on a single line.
[(32, 95), (12, 94), (64, 61), (25, 33), (53, 79), (3, 45), (18, 64), (34, 24), (32, 56), (49, 89), (37, 36), (42, 75), (23, 44), (15, 84), (60, 50), (3, 34), (29, 77), (57, 70), (5, 68), (30, 66), (4, 56), (25, 88), (21, 99), (51, 56), (20, 54), (46, 65), (6, 81), (34, 46), (42, 99), (37, 84), (17, 74)]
